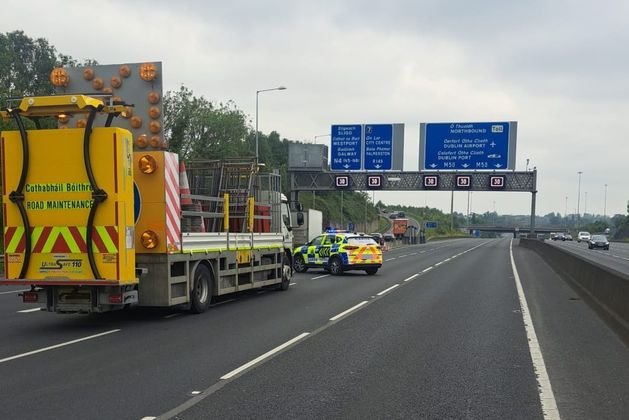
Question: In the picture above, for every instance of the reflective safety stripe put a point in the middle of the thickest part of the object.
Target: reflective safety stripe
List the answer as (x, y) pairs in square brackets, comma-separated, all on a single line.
[(61, 239)]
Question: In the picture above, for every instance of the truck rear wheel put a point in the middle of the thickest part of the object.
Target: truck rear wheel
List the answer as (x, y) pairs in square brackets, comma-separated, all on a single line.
[(286, 274), (371, 271), (201, 292)]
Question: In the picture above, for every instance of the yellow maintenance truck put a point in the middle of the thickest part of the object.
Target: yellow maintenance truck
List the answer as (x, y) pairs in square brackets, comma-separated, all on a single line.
[(98, 215)]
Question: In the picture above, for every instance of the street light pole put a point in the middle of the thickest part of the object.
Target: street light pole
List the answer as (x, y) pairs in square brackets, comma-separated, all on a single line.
[(585, 205), (605, 205), (258, 94), (579, 199)]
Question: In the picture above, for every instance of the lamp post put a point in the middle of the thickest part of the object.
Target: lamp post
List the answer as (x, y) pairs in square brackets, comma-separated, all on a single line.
[(320, 135), (258, 94), (605, 204), (579, 199)]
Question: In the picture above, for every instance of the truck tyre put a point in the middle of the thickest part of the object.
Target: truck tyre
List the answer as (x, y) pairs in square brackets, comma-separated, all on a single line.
[(336, 266), (286, 274), (300, 265), (371, 271), (201, 292)]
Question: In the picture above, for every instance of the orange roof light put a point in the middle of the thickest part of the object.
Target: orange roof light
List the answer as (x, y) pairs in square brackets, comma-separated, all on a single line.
[(88, 73), (155, 127), (59, 77), (97, 83), (124, 71), (149, 239), (147, 164), (155, 141), (63, 118), (141, 141), (148, 72), (116, 82), (154, 112), (136, 122), (153, 97)]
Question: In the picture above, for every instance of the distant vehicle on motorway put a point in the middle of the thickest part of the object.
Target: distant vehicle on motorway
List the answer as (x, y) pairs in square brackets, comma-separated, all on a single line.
[(598, 241), (567, 237), (389, 237), (557, 236), (378, 237), (583, 236)]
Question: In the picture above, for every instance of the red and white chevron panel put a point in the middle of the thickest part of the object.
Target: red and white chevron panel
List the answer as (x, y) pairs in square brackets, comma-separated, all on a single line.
[(173, 205)]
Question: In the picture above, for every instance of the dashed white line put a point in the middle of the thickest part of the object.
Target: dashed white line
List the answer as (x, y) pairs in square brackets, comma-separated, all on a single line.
[(353, 308), (546, 395), (390, 259), (148, 418), (14, 291), (427, 269), (402, 256), (387, 290), (172, 315), (56, 346), (439, 263), (264, 356), (292, 284), (25, 311), (320, 277), (412, 277)]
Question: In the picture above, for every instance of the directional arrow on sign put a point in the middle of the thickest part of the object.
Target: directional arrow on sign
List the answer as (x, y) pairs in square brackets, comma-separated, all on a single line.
[(377, 166), (465, 165), (346, 166), (498, 165), (433, 165)]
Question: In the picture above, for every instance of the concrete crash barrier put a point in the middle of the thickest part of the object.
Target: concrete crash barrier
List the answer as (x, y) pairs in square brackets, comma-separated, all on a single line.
[(607, 290)]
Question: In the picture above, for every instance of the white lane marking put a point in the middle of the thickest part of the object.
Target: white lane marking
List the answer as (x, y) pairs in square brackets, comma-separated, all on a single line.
[(292, 284), (390, 259), (402, 256), (319, 277), (439, 263), (353, 308), (14, 291), (413, 253), (195, 392), (172, 315), (412, 277), (264, 356), (387, 290), (546, 395), (148, 418), (421, 252), (447, 259), (427, 269), (56, 346), (25, 311)]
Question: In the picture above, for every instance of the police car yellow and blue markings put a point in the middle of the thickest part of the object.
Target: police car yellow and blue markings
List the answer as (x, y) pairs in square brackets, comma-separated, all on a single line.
[(319, 254)]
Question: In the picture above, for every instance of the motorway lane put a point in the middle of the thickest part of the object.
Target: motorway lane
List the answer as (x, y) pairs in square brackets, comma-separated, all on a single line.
[(616, 258), (153, 363), (451, 343), (587, 362)]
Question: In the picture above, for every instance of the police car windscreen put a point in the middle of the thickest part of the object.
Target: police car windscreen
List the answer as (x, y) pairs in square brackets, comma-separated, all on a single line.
[(361, 240)]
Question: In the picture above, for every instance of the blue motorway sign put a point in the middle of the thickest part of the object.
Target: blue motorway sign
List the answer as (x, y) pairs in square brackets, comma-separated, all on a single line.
[(430, 225), (346, 147), (378, 146), (468, 146)]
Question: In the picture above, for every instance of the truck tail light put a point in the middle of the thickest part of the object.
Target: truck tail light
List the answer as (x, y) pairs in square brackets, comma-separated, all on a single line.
[(30, 297), (115, 299), (149, 239), (350, 247)]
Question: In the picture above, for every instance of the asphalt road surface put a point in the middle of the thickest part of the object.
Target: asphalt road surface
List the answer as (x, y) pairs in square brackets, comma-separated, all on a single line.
[(440, 332)]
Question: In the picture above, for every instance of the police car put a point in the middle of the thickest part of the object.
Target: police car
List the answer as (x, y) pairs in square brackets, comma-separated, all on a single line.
[(339, 251)]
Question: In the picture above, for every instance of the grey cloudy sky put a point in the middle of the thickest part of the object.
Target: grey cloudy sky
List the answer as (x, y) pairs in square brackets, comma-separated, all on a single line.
[(559, 68)]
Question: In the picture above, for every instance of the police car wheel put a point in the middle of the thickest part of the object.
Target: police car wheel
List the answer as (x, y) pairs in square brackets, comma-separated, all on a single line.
[(336, 266), (300, 265), (372, 271)]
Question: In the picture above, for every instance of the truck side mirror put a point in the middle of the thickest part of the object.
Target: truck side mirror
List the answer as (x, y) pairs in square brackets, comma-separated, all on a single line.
[(299, 207), (300, 217)]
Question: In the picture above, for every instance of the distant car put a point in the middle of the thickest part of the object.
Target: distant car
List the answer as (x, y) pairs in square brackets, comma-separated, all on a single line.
[(583, 236), (567, 237), (389, 237), (598, 241), (557, 236)]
